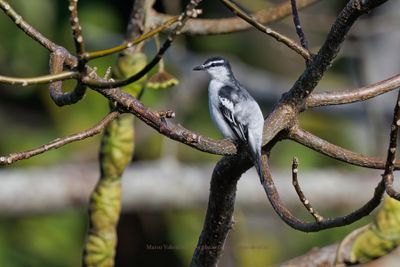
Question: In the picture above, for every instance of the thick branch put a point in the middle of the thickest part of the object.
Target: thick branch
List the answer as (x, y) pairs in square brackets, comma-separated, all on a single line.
[(353, 95), (174, 131), (315, 143), (219, 218), (227, 25), (59, 142), (320, 63)]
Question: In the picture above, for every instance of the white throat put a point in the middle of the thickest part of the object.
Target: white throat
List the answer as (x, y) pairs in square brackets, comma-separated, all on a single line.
[(221, 74)]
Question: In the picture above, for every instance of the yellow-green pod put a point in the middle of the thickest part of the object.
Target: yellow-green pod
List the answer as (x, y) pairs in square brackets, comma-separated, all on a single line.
[(128, 64), (382, 235)]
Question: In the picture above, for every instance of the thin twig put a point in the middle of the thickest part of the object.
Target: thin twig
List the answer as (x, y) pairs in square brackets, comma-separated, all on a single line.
[(80, 89), (316, 143), (59, 142), (306, 203), (141, 38), (26, 27), (299, 29), (388, 175), (278, 36), (297, 24), (76, 28), (348, 96), (190, 11), (45, 79)]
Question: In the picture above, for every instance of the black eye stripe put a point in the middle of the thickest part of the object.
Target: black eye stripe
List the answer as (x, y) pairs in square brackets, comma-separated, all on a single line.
[(214, 64)]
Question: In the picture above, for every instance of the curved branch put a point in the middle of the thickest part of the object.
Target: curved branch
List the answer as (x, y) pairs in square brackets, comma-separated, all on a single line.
[(57, 59), (274, 198), (324, 147), (353, 95), (59, 142), (228, 25)]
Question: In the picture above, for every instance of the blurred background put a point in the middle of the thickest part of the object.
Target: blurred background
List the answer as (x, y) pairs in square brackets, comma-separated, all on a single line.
[(43, 200)]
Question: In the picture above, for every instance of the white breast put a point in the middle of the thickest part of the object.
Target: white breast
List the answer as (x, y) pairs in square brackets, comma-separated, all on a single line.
[(213, 105)]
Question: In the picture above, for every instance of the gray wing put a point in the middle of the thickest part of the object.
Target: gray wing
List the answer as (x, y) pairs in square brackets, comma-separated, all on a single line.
[(229, 98)]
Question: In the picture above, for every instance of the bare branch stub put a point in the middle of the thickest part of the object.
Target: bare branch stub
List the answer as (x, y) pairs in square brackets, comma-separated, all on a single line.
[(59, 142), (388, 175), (306, 203)]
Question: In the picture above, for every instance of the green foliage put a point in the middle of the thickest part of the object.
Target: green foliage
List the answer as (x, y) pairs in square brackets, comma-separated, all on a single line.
[(38, 241)]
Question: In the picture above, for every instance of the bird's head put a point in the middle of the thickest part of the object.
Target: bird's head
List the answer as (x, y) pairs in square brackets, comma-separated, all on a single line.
[(218, 67)]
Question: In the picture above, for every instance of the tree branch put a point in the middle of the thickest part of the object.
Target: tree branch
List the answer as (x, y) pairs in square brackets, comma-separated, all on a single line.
[(218, 220), (26, 27), (59, 142), (315, 143), (352, 95), (176, 132)]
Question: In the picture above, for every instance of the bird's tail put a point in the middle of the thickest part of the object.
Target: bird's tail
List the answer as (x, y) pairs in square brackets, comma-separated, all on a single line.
[(258, 165)]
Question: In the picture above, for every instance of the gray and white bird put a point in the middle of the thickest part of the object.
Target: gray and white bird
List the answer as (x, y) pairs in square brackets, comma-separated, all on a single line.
[(234, 111)]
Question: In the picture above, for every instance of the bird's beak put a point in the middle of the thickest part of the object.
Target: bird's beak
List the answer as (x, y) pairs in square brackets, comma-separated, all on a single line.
[(200, 67)]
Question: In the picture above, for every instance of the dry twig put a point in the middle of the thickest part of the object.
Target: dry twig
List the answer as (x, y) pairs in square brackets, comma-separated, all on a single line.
[(59, 142)]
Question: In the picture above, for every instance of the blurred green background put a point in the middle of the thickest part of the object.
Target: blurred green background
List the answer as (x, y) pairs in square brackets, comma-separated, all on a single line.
[(28, 119)]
